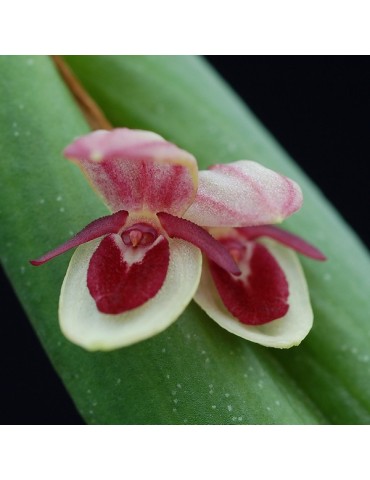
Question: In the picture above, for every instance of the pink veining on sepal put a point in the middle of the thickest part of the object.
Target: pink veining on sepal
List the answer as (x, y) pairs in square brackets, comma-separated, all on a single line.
[(136, 170), (261, 294), (243, 193), (179, 228), (121, 277), (282, 236), (102, 226)]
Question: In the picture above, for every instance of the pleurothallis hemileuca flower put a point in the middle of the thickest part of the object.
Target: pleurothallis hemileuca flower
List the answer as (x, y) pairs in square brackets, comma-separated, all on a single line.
[(136, 270)]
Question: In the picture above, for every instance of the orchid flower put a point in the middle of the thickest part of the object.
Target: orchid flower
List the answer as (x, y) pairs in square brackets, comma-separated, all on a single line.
[(269, 302), (135, 270)]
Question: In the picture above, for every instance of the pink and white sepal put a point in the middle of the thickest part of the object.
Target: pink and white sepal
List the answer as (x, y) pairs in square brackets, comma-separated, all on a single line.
[(134, 271)]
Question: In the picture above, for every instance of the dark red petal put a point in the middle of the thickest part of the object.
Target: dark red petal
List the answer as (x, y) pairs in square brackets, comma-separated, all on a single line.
[(189, 231), (122, 277), (261, 294), (282, 236), (97, 228)]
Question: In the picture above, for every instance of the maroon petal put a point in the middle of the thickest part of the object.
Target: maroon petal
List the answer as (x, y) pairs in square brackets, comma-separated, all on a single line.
[(97, 228), (122, 277), (282, 236), (189, 231), (261, 294)]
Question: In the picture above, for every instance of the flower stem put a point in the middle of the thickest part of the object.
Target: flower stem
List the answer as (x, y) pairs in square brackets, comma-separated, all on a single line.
[(92, 112)]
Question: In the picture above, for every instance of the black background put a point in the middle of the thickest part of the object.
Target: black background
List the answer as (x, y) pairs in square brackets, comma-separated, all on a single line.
[(319, 110)]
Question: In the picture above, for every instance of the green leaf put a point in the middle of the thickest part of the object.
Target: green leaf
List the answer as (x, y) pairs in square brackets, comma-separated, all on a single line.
[(194, 372), (184, 100)]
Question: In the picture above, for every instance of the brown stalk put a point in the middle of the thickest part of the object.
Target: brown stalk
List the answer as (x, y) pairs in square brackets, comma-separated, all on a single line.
[(92, 112)]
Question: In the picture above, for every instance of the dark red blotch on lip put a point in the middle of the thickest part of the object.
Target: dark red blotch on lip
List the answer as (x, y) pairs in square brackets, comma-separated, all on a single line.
[(260, 297), (117, 285)]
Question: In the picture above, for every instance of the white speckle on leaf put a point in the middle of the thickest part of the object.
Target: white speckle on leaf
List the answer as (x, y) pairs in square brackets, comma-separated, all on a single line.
[(61, 209), (175, 400), (268, 409), (234, 419), (227, 395), (118, 381), (229, 407), (277, 402), (174, 409), (30, 62), (210, 385), (240, 419), (214, 407), (59, 198), (16, 134), (167, 376), (42, 200), (173, 392), (178, 385), (163, 350), (203, 352)]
